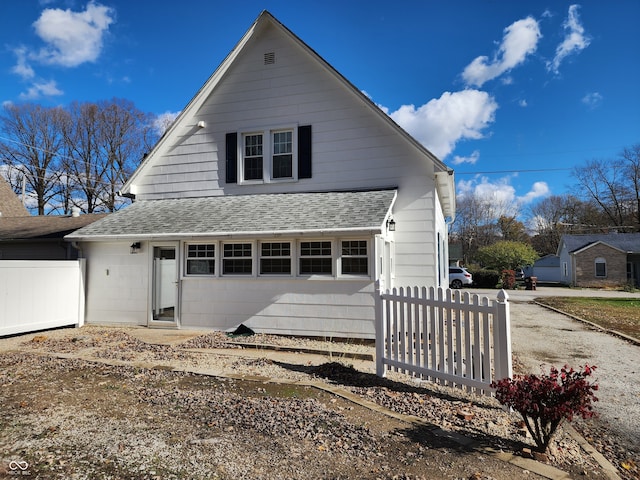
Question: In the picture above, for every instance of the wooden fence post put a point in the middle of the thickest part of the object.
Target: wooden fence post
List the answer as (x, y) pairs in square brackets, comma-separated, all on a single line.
[(502, 338), (381, 335)]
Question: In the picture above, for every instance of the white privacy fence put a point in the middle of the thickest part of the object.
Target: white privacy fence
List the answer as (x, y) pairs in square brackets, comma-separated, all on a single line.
[(445, 336), (40, 294)]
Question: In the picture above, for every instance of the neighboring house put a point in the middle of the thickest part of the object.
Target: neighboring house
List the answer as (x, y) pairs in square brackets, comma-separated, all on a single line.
[(455, 254), (41, 237), (545, 269), (277, 199), (26, 237), (602, 260)]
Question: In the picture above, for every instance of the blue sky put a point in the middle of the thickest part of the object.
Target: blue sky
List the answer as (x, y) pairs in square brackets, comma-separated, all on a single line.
[(495, 88)]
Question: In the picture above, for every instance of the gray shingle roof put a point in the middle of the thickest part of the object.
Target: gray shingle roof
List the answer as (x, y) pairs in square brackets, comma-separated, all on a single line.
[(628, 242), (252, 214)]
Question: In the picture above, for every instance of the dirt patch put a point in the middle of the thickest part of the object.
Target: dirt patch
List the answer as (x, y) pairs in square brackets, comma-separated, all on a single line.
[(103, 413)]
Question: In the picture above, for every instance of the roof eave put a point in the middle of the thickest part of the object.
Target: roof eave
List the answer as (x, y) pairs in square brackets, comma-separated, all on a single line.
[(373, 230)]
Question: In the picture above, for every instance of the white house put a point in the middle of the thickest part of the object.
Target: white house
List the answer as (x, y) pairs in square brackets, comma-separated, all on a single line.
[(277, 200)]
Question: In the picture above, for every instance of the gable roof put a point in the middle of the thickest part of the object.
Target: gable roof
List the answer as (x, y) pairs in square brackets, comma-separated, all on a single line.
[(265, 214), (549, 260), (444, 174), (10, 204), (43, 226), (627, 242)]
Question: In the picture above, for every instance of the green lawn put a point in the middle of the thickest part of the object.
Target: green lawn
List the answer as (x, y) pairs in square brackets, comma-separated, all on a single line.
[(620, 314)]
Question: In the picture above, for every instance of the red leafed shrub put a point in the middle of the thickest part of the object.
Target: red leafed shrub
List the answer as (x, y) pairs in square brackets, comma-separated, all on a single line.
[(508, 279), (544, 401)]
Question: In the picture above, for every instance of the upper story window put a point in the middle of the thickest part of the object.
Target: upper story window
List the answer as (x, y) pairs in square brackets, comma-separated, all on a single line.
[(252, 157), (282, 159), (268, 155)]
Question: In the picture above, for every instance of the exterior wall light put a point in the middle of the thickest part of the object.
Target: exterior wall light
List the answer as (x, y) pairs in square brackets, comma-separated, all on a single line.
[(391, 225), (135, 247)]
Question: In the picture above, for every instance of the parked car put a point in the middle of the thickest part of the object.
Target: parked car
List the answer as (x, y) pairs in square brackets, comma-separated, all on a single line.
[(519, 274), (458, 277)]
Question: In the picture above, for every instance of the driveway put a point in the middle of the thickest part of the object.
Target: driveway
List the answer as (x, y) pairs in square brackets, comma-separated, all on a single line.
[(541, 338)]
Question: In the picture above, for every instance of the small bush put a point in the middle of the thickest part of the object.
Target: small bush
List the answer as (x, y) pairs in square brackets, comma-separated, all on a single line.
[(508, 279), (485, 278), (544, 401)]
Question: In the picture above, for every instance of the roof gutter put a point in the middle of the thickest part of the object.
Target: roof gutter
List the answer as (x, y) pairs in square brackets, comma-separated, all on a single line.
[(197, 235)]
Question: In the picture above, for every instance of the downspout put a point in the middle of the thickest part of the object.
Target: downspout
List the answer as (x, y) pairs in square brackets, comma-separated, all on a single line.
[(75, 244)]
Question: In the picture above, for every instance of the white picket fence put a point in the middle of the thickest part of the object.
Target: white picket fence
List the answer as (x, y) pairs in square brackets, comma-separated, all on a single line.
[(40, 294), (445, 336)]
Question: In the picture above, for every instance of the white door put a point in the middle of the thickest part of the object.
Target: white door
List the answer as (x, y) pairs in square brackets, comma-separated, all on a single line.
[(164, 286)]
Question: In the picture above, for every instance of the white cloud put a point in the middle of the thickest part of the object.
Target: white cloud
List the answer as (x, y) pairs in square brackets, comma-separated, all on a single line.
[(522, 103), (39, 89), (574, 41), (22, 67), (442, 122), (592, 100), (539, 189), (471, 159), (72, 38), (520, 39), (500, 193)]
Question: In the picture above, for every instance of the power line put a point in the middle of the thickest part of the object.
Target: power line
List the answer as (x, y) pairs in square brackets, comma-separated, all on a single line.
[(515, 171), (49, 152)]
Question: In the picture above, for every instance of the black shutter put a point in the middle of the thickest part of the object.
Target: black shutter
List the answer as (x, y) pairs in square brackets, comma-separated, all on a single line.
[(304, 151), (232, 157)]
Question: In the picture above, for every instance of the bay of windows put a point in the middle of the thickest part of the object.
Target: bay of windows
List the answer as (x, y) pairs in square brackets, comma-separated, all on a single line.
[(279, 258)]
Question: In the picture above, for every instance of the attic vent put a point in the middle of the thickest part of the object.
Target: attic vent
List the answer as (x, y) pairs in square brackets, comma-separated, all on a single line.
[(269, 58)]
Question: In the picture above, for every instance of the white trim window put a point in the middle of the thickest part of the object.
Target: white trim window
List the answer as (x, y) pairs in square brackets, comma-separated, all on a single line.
[(600, 267), (252, 156), (237, 259), (201, 259), (282, 158), (354, 259), (316, 258), (275, 258), (268, 155)]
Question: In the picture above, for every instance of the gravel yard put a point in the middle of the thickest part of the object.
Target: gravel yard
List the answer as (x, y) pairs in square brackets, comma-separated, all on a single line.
[(101, 403)]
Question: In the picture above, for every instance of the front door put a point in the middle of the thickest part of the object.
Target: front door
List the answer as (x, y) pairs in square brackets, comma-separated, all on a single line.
[(164, 288)]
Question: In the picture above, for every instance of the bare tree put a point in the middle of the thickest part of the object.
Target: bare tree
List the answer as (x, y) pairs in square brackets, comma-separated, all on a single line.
[(614, 186), (631, 159), (82, 163), (126, 134), (32, 145)]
